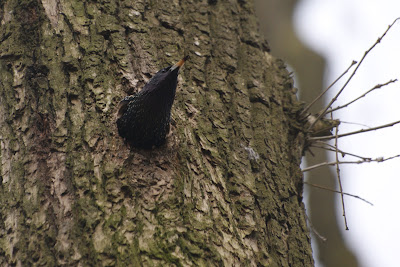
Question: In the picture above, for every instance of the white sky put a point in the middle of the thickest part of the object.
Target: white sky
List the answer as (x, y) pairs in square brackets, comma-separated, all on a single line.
[(342, 30)]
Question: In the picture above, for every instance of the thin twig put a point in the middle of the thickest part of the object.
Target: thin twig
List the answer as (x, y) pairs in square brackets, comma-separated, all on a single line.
[(361, 96), (338, 177), (343, 153), (335, 191), (322, 138), (353, 123), (323, 112), (323, 238), (393, 157), (329, 87), (332, 163), (329, 148)]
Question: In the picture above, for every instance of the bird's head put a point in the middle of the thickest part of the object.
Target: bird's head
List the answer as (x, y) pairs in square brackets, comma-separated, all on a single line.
[(165, 77)]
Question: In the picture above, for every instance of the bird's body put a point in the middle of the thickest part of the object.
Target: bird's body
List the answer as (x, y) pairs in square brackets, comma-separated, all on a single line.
[(144, 117)]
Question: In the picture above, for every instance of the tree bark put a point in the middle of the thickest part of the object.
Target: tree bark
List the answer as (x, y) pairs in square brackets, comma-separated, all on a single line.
[(226, 189), (309, 68)]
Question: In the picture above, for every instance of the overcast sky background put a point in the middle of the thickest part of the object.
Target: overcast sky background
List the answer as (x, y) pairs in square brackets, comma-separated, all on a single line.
[(342, 30)]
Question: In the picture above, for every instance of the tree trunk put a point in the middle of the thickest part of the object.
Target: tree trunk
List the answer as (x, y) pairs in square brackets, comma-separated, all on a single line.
[(226, 189), (309, 68)]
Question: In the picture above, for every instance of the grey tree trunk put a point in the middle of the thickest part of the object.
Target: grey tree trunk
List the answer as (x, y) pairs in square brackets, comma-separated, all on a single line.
[(226, 188)]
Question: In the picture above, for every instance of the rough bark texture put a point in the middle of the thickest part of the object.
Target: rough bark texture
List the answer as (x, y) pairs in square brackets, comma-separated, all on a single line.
[(276, 22), (224, 190)]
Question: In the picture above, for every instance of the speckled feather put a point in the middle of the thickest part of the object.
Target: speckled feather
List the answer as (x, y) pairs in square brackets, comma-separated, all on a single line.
[(144, 118)]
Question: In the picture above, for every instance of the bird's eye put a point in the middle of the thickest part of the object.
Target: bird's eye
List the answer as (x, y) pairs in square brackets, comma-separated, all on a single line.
[(165, 69)]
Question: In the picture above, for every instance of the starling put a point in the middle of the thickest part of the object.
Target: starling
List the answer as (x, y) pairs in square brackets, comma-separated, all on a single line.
[(143, 118)]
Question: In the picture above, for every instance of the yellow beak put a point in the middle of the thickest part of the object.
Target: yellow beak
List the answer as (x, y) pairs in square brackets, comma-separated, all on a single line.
[(179, 63)]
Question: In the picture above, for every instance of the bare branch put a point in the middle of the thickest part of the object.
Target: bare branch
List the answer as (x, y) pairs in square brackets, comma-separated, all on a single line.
[(328, 147), (335, 191), (323, 112), (338, 177), (329, 87), (393, 157), (332, 163), (323, 238), (353, 123), (361, 96), (322, 138), (343, 153)]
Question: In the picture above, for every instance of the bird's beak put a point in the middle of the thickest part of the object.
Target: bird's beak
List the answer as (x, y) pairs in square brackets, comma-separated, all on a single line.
[(179, 63)]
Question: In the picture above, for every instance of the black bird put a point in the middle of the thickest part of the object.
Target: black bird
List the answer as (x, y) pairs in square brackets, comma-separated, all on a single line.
[(143, 118)]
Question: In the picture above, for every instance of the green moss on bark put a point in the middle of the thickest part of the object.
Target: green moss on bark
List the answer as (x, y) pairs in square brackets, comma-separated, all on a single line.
[(222, 191)]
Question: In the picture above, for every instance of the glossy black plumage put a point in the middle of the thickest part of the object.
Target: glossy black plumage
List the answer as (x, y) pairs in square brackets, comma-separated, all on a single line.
[(144, 117)]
